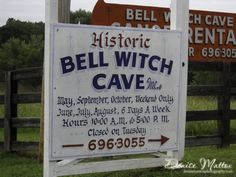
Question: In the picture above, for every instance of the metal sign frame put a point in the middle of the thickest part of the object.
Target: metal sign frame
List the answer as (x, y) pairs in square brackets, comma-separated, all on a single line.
[(73, 166)]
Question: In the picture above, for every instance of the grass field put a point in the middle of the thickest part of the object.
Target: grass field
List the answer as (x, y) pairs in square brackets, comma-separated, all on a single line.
[(13, 165)]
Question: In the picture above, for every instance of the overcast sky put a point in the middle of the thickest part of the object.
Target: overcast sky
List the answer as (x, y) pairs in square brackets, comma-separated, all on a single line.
[(33, 10)]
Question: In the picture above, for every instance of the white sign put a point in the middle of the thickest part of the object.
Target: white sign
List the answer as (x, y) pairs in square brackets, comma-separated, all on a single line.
[(114, 91)]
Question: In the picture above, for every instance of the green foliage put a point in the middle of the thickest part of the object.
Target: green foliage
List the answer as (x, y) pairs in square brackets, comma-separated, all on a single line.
[(21, 45), (21, 30), (80, 16), (204, 78), (17, 53)]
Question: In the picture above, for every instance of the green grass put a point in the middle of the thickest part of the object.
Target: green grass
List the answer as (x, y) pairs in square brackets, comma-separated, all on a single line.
[(29, 110), (25, 110), (24, 134), (13, 165), (201, 127), (205, 127), (201, 103), (28, 134)]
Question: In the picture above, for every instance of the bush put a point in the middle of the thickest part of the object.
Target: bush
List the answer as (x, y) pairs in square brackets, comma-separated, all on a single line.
[(15, 53)]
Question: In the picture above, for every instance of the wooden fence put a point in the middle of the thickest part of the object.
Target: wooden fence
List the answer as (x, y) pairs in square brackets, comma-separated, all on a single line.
[(223, 115)]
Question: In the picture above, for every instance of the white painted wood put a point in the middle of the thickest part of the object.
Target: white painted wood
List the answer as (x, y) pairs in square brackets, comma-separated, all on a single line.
[(108, 166), (68, 161), (180, 21), (173, 154), (51, 16)]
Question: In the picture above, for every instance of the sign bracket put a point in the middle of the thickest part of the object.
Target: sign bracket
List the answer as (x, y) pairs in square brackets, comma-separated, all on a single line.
[(106, 166), (69, 161)]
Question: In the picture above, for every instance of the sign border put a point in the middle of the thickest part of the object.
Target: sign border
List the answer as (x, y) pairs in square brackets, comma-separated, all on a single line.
[(58, 25)]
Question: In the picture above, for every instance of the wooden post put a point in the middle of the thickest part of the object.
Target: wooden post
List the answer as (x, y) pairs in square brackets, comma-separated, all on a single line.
[(63, 17), (51, 16), (180, 21), (10, 134), (52, 13), (64, 11), (224, 106), (41, 136)]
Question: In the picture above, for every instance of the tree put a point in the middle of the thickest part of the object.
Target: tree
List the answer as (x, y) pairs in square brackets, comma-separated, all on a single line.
[(21, 30), (17, 53), (80, 16), (21, 44)]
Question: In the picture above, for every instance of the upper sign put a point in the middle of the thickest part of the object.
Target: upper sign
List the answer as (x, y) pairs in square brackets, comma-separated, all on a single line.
[(114, 91), (212, 35)]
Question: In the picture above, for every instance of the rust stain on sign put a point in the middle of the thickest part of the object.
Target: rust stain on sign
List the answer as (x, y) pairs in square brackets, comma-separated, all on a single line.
[(212, 35)]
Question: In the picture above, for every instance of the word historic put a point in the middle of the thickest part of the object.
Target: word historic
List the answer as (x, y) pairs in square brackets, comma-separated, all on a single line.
[(124, 59)]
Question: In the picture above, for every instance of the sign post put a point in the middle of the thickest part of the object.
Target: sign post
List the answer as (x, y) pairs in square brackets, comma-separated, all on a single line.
[(113, 91), (51, 17), (179, 21)]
